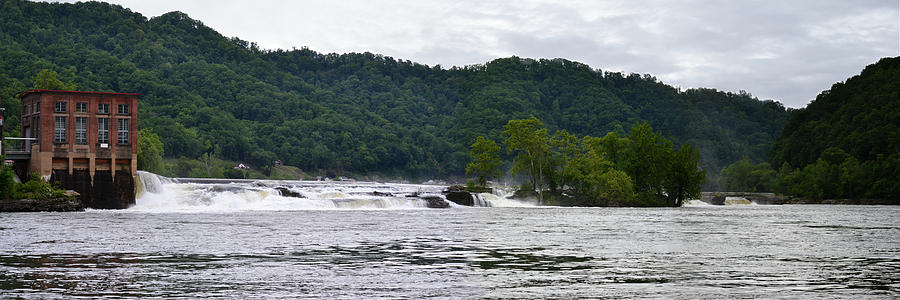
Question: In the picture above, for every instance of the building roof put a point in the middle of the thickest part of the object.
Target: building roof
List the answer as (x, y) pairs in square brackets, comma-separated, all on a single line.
[(34, 91)]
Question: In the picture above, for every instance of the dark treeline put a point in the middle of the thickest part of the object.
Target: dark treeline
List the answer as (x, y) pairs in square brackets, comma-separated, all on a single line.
[(843, 145), (206, 95)]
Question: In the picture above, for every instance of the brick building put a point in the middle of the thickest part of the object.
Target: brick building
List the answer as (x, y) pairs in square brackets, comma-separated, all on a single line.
[(86, 141)]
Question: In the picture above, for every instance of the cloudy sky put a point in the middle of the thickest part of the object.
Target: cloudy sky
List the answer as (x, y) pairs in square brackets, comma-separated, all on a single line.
[(783, 50)]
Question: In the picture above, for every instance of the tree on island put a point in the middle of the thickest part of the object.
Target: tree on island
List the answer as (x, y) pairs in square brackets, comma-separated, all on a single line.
[(642, 169), (591, 176), (486, 160), (529, 139), (685, 176)]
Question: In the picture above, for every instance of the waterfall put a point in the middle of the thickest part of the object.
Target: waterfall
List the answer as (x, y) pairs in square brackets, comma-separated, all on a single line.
[(737, 201), (160, 194), (480, 200), (149, 182), (494, 200)]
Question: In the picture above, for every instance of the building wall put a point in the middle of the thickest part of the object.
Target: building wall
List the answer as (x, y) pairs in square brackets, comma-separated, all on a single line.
[(63, 159), (70, 150)]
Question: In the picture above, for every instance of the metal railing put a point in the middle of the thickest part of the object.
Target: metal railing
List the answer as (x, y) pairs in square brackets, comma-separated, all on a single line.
[(17, 145)]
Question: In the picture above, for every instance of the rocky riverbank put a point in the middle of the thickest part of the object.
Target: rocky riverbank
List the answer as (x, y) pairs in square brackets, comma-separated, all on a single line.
[(843, 201), (718, 198), (69, 202)]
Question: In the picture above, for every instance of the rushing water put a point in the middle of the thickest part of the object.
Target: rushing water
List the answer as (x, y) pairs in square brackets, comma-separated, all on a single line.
[(244, 240)]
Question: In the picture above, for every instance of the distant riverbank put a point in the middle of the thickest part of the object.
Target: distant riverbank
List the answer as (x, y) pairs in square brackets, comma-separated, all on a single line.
[(718, 198)]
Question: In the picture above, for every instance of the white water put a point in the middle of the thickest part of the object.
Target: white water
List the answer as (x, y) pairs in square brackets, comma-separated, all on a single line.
[(738, 201), (500, 201), (160, 194), (695, 202), (728, 201)]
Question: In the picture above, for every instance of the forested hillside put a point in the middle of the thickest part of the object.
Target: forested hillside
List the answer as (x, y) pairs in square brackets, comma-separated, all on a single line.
[(206, 94), (845, 144)]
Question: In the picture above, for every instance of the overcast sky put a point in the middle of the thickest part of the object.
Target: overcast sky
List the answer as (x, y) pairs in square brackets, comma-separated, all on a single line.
[(783, 50)]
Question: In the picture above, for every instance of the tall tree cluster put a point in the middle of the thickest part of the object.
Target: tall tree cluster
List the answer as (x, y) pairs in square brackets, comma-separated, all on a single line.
[(641, 169)]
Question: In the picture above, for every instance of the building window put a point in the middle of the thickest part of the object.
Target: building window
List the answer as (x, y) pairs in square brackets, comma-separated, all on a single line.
[(36, 124), (81, 130), (81, 107), (60, 107), (123, 131), (37, 107), (103, 130), (123, 109), (60, 136), (27, 109), (103, 108)]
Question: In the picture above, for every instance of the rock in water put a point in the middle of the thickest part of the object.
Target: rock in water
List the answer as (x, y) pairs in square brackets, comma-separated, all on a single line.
[(289, 193), (436, 202), (718, 199), (461, 198), (455, 188), (458, 194)]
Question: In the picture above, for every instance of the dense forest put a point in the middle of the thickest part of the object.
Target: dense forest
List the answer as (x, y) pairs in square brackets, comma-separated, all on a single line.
[(843, 145), (207, 97)]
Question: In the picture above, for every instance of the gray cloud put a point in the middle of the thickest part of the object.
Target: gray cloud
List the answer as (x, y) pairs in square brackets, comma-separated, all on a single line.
[(783, 50)]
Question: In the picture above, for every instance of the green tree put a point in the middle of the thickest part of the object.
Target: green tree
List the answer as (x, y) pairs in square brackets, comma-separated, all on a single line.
[(648, 158), (485, 160), (615, 187), (685, 176), (746, 176), (591, 176), (7, 183), (616, 149), (529, 138), (784, 179), (235, 174), (46, 79), (565, 147), (150, 151)]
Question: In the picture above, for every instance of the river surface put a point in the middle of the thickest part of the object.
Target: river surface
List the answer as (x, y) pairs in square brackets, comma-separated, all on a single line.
[(218, 246)]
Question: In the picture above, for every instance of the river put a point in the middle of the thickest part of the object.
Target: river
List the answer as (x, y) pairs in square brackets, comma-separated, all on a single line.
[(342, 241)]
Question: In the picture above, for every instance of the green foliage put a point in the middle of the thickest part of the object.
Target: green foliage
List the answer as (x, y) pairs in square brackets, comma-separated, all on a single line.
[(590, 175), (357, 112), (845, 143), (685, 176), (34, 188), (837, 175), (37, 188), (485, 160), (528, 138), (615, 187), (235, 174), (649, 154), (583, 166), (745, 176), (470, 185), (46, 79), (150, 151), (7, 183), (616, 149)]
